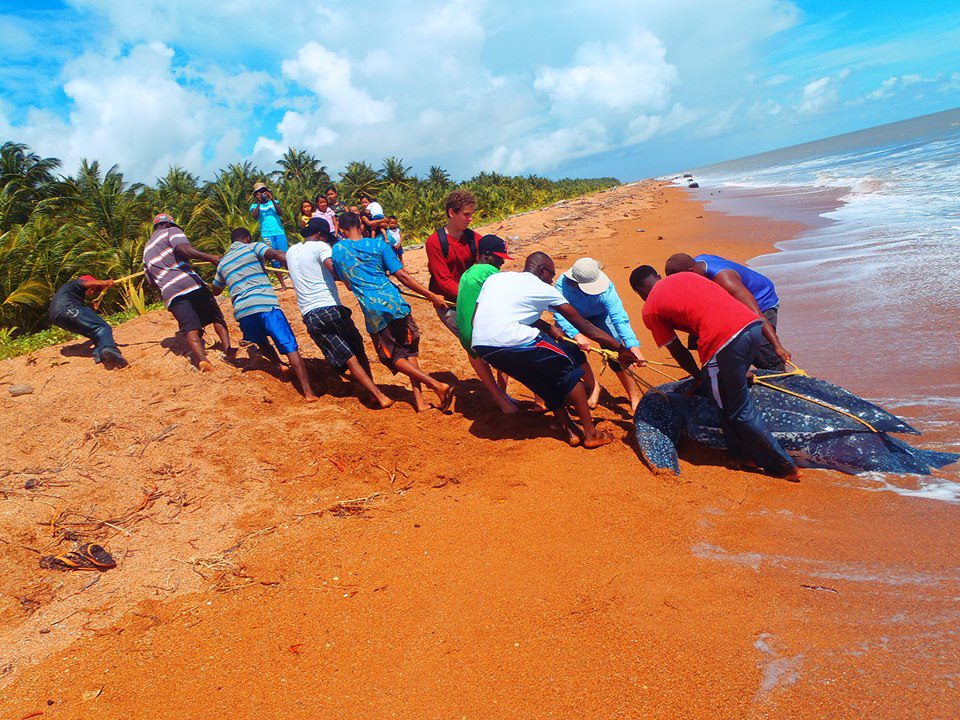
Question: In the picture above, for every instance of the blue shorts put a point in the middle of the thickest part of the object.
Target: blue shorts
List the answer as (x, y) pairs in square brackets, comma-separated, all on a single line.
[(277, 242), (271, 324), (543, 366)]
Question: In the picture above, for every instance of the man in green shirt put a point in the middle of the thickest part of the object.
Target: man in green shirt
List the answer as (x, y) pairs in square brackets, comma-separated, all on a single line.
[(491, 253)]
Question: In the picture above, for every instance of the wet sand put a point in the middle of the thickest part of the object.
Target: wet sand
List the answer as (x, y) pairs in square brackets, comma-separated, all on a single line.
[(332, 561)]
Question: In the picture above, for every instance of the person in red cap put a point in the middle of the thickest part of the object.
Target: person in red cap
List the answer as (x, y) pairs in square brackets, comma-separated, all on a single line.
[(67, 310), (491, 254), (166, 260)]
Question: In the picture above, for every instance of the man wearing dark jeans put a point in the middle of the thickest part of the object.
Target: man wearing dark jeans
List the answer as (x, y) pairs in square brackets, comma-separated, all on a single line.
[(729, 336), (67, 310)]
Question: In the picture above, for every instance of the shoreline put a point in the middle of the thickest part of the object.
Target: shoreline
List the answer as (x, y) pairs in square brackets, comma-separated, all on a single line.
[(480, 567)]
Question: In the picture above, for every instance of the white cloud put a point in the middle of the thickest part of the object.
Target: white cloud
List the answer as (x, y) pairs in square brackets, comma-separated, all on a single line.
[(127, 109), (892, 85), (613, 76), (328, 76), (818, 96)]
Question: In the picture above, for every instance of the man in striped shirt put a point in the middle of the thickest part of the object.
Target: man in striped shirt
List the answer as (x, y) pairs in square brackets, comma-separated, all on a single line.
[(255, 304), (166, 259)]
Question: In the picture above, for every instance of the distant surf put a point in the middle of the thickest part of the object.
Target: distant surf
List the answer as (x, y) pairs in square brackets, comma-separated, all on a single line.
[(871, 292)]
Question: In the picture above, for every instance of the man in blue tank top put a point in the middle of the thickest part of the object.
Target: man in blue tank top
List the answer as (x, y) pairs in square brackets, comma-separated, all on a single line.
[(754, 290)]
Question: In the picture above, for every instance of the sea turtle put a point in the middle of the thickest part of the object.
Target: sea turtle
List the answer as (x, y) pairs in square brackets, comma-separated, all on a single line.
[(812, 434)]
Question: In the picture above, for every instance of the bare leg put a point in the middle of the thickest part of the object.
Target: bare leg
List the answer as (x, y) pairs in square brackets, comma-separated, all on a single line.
[(569, 427), (411, 368), (502, 380), (266, 349), (593, 387), (365, 364), (503, 401), (196, 348), (633, 390), (355, 366), (591, 438), (300, 369), (224, 336)]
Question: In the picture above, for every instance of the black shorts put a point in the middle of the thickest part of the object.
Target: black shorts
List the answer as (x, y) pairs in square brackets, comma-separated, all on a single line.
[(544, 367), (334, 332), (398, 340), (195, 310)]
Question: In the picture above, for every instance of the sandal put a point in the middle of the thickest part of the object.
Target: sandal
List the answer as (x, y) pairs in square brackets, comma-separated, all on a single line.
[(89, 556)]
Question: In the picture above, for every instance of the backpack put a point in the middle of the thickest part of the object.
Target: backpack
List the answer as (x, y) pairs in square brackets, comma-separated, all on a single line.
[(468, 235)]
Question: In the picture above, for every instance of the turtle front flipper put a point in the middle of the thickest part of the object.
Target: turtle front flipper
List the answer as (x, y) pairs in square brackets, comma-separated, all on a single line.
[(657, 424)]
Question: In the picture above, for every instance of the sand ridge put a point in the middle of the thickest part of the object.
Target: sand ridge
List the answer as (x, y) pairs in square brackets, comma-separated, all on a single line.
[(328, 560)]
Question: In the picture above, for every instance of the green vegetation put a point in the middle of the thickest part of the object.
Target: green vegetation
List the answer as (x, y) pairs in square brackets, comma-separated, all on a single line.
[(95, 222)]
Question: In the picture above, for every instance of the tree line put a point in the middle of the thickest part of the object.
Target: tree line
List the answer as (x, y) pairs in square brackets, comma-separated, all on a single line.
[(54, 227)]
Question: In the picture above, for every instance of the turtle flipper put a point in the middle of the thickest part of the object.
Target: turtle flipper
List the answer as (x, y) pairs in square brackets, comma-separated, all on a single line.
[(657, 425)]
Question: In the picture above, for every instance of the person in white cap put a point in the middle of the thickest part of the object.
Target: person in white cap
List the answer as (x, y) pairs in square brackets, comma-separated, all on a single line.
[(588, 289)]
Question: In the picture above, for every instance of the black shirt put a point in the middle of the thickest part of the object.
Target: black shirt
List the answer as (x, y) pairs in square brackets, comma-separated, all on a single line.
[(69, 296)]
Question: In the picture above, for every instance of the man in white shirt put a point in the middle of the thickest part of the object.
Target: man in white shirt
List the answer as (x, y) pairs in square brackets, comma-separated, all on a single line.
[(509, 334), (327, 320)]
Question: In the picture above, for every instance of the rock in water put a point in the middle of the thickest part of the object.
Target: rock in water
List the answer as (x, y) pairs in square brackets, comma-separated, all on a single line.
[(693, 185), (20, 389)]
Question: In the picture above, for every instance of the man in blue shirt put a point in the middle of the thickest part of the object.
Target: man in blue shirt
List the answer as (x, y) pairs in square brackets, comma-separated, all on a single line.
[(364, 266), (588, 289), (267, 211), (754, 290)]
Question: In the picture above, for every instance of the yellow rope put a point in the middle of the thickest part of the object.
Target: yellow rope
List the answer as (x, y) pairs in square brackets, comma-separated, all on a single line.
[(798, 371), (418, 296)]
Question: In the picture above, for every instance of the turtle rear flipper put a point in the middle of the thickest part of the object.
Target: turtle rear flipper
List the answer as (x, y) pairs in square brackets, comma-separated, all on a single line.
[(657, 426)]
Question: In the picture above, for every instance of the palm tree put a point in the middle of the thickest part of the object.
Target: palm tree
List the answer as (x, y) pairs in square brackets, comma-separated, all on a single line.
[(358, 178), (111, 215), (225, 206), (438, 176), (25, 179), (300, 166), (394, 173)]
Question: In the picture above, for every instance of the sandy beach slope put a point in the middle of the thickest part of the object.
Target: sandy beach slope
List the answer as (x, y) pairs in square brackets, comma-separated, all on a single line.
[(279, 559)]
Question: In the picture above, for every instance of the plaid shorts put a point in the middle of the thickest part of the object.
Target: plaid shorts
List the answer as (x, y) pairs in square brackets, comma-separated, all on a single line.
[(333, 331)]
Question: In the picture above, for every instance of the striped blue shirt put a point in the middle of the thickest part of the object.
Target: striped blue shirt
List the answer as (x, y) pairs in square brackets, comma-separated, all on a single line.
[(241, 272)]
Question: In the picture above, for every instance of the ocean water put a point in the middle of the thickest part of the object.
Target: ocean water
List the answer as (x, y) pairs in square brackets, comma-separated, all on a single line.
[(870, 293)]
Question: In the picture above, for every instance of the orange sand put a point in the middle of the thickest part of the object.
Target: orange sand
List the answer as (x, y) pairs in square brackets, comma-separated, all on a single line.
[(489, 571)]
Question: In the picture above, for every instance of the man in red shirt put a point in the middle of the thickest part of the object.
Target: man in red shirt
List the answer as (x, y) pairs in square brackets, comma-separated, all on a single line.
[(729, 335), (450, 251)]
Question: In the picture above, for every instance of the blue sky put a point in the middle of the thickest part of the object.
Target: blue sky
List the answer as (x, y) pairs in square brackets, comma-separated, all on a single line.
[(630, 88)]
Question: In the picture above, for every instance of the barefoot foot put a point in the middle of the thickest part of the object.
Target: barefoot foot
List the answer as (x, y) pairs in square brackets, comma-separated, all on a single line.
[(598, 440), (445, 396)]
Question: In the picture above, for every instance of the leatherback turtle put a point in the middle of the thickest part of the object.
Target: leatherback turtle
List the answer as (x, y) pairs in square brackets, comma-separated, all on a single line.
[(813, 435)]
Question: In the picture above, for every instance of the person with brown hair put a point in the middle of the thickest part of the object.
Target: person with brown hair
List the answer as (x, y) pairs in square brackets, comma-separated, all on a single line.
[(451, 251)]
